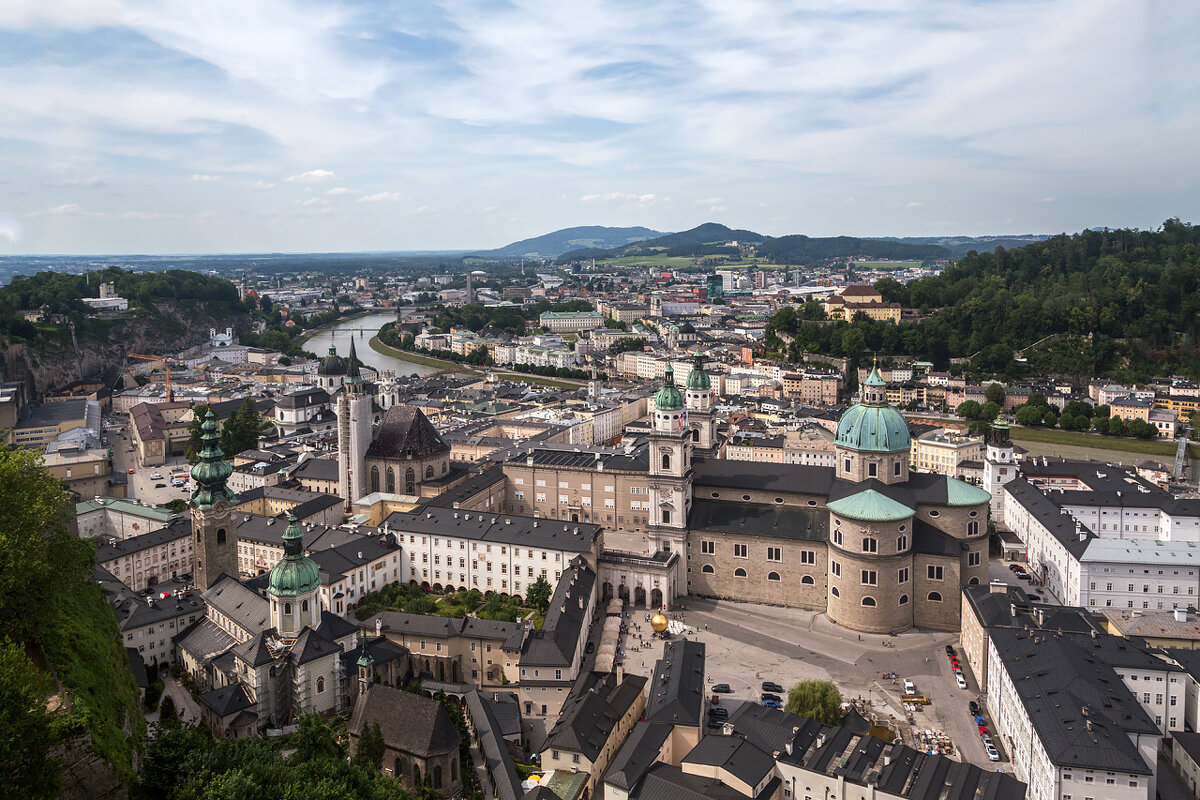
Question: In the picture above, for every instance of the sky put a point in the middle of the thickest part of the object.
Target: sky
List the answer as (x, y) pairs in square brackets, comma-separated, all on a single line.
[(130, 126)]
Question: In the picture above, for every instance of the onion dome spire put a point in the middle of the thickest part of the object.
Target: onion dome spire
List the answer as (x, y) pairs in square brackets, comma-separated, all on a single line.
[(212, 470)]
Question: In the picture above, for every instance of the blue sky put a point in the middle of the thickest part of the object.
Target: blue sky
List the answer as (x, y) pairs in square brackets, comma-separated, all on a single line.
[(129, 126)]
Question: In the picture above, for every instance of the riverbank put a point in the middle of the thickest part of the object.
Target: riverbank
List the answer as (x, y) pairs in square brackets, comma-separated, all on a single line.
[(454, 366), (303, 338)]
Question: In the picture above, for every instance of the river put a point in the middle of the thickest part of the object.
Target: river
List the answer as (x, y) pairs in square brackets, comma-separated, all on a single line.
[(361, 330)]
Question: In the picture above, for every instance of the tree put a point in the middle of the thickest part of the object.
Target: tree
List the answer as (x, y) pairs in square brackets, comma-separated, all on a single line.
[(242, 430), (538, 594), (194, 432), (818, 700), (1103, 412), (1029, 415), (39, 556), (1050, 419), (27, 730), (995, 394), (969, 409), (369, 751), (989, 411)]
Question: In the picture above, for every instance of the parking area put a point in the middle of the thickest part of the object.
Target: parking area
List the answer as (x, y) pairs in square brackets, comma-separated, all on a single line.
[(747, 644), (142, 482)]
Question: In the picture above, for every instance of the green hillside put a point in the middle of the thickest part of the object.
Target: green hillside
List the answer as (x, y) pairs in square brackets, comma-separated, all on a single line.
[(554, 244)]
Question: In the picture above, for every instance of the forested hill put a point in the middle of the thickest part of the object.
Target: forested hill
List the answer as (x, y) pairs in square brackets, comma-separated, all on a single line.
[(1125, 301), (801, 249), (63, 292)]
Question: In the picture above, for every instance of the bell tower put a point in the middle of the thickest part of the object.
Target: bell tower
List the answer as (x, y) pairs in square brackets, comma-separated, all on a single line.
[(999, 466), (214, 528), (670, 451), (698, 399), (354, 433)]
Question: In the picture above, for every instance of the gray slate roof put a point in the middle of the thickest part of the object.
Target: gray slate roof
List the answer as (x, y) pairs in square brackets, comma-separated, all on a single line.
[(409, 722), (677, 685), (548, 534)]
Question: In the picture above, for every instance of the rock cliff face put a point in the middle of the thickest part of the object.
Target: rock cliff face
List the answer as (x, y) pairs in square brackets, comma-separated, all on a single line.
[(85, 775), (78, 355)]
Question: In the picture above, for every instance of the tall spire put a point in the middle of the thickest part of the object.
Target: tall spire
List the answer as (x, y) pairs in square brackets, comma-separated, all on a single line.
[(353, 373), (212, 471)]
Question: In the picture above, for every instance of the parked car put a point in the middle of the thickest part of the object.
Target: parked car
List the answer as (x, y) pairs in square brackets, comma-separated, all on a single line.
[(987, 741), (722, 688), (949, 650), (771, 686), (1022, 576), (992, 755), (156, 476), (974, 708), (962, 684), (983, 730), (909, 687), (591, 647), (772, 704), (160, 486), (713, 722), (774, 697), (720, 713)]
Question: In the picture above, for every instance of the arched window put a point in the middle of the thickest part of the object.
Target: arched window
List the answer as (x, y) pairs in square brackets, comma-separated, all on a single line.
[(666, 460), (374, 479), (935, 597), (391, 480), (220, 536), (454, 766), (833, 590), (903, 599), (973, 528), (437, 777), (429, 471), (410, 481), (444, 467), (739, 573), (320, 685), (872, 469), (868, 601), (695, 434), (973, 582), (807, 580), (772, 576), (287, 608), (707, 569), (304, 607)]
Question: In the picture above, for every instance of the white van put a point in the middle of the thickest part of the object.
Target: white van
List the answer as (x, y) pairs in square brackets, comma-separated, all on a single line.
[(909, 687)]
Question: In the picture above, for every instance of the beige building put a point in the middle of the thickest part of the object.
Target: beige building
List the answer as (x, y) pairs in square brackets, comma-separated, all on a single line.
[(945, 451), (142, 561), (481, 652), (866, 299), (570, 321), (813, 388)]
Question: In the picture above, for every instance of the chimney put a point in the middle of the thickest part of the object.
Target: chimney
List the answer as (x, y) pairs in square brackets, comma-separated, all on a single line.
[(378, 627)]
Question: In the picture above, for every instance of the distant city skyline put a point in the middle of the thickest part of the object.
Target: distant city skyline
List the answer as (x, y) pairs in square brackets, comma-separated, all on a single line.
[(288, 126)]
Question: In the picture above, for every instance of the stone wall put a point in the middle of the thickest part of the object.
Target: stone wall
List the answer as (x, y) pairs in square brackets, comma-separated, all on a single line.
[(791, 588)]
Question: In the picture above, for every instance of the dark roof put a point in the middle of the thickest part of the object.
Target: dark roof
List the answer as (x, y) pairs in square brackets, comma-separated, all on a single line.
[(549, 534), (381, 649), (556, 642), (1081, 711), (677, 684), (406, 433), (592, 711), (311, 645), (1190, 742), (505, 780), (470, 487), (409, 722), (321, 469), (1073, 536), (245, 607), (760, 519), (227, 700), (935, 542), (439, 627), (637, 754), (665, 782), (176, 529), (795, 478), (736, 755)]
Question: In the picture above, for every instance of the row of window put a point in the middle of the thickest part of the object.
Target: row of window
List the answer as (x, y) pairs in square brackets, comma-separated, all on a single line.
[(1145, 588)]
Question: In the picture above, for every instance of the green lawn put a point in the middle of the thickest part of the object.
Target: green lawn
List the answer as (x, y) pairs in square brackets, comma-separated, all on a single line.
[(887, 265), (1122, 444), (414, 358)]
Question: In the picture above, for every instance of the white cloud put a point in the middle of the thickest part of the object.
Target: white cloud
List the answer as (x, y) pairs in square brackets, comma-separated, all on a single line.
[(312, 176), (381, 197), (913, 204), (63, 210), (262, 185), (626, 199), (339, 190), (201, 178)]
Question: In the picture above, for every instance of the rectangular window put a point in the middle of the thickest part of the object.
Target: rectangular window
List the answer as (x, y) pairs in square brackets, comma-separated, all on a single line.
[(846, 466), (974, 559), (902, 575), (869, 578), (774, 554), (808, 556), (835, 568), (740, 551), (934, 573), (708, 548)]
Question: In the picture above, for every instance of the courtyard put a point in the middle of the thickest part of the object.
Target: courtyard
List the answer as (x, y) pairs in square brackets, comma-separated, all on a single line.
[(747, 644)]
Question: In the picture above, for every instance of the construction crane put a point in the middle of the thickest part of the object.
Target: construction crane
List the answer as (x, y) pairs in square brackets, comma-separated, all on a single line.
[(167, 362)]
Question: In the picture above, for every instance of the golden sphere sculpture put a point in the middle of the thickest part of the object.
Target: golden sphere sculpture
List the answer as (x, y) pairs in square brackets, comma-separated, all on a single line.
[(659, 623)]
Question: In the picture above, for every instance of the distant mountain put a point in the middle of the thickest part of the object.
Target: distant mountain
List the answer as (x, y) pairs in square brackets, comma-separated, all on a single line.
[(801, 249), (699, 241), (961, 245), (552, 245)]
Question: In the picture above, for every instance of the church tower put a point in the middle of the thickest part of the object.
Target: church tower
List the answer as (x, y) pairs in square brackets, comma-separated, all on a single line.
[(292, 587), (670, 470), (872, 440), (214, 529), (698, 399), (999, 466), (354, 433)]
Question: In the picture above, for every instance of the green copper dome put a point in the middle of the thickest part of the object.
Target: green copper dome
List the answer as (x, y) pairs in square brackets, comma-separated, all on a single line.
[(296, 573), (668, 397), (872, 424), (212, 470), (870, 506), (697, 379)]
